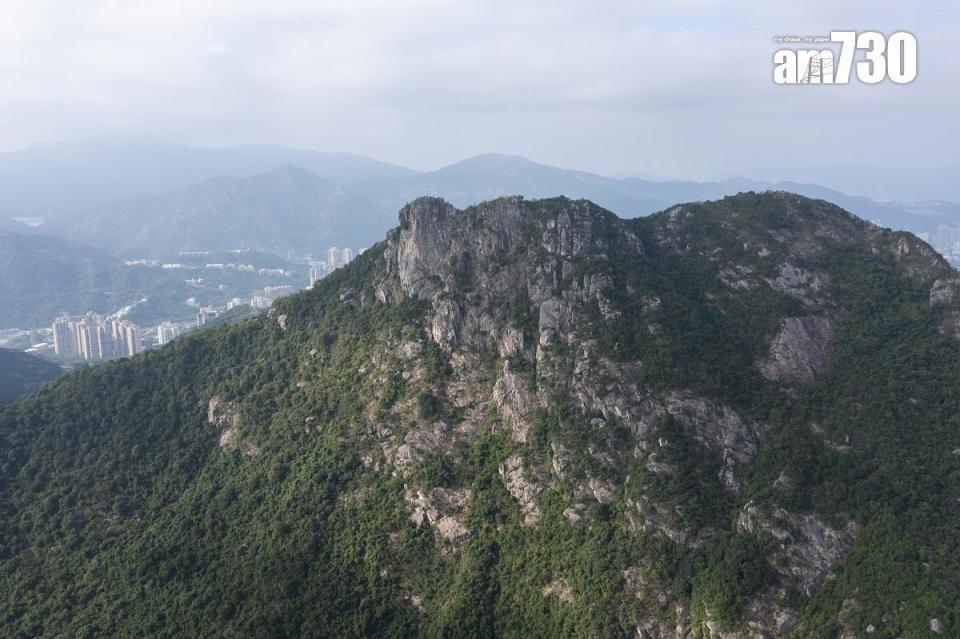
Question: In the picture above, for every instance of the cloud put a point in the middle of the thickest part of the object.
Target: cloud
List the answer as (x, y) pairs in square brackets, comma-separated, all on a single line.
[(682, 88)]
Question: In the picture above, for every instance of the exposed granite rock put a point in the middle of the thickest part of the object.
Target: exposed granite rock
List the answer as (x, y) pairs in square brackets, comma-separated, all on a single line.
[(808, 286), (442, 508), (809, 548), (768, 616), (944, 291), (598, 490), (560, 589), (951, 325), (800, 349), (223, 415), (848, 611), (738, 277), (522, 489), (715, 426), (418, 444), (575, 513), (515, 403), (561, 460), (653, 517)]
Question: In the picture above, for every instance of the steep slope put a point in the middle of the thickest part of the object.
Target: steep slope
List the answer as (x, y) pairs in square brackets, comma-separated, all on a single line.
[(22, 373), (88, 172), (288, 209), (528, 418)]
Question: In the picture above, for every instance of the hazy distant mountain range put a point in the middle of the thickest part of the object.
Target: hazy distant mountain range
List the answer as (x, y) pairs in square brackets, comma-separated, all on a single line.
[(50, 179), (287, 209), (148, 199), (166, 198)]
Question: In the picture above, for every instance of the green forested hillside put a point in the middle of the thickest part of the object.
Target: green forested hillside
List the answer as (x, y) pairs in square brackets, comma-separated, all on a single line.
[(22, 373), (526, 419)]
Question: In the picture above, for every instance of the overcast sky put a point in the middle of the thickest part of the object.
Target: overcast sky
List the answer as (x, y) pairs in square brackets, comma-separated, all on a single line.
[(614, 87)]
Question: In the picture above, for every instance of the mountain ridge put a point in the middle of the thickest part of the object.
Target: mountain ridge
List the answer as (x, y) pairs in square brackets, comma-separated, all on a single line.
[(524, 418), (315, 213)]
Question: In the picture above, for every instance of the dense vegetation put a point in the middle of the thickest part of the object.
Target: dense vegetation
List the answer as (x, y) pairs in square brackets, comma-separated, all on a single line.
[(121, 516)]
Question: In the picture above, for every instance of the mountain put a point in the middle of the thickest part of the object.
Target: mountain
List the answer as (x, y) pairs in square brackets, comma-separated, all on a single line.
[(287, 209), (492, 175), (43, 276), (291, 210), (51, 179), (8, 225), (22, 373), (526, 418)]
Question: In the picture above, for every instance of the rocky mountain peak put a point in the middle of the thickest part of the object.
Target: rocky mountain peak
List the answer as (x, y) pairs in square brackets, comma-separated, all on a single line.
[(466, 263)]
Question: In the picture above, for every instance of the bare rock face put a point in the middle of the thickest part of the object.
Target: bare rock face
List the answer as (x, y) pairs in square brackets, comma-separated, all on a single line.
[(522, 489), (951, 325), (809, 548), (713, 425), (553, 321), (418, 444), (944, 291), (560, 589), (768, 617), (800, 349), (435, 253), (515, 403), (441, 508), (806, 285), (223, 415)]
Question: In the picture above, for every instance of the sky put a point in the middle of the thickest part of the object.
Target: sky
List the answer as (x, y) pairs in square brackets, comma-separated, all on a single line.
[(681, 89)]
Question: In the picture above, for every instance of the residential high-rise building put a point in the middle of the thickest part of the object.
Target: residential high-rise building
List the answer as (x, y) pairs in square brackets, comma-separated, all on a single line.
[(346, 255), (65, 337), (260, 302), (93, 338), (131, 339), (206, 314), (167, 332), (273, 292), (86, 330), (333, 257)]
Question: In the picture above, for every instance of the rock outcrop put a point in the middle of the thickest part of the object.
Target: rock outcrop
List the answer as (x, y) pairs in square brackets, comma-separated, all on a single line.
[(525, 491), (800, 350), (441, 508), (224, 415), (809, 549)]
